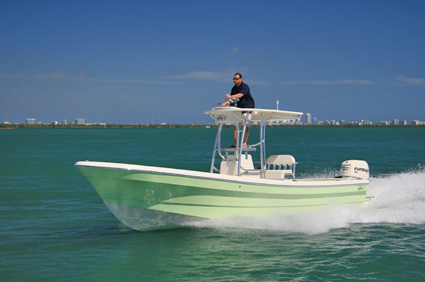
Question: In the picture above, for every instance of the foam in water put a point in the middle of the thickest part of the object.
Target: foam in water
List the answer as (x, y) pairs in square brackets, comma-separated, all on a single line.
[(400, 199)]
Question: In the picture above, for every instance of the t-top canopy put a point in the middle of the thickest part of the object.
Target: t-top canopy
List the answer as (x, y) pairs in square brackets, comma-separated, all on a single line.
[(234, 114)]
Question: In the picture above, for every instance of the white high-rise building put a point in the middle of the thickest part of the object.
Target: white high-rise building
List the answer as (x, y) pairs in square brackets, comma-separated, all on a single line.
[(79, 121), (31, 121), (307, 118)]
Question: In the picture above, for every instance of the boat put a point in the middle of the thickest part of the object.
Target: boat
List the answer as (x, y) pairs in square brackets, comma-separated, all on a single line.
[(149, 198)]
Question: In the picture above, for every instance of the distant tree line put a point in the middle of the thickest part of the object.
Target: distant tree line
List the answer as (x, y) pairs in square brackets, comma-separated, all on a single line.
[(23, 125)]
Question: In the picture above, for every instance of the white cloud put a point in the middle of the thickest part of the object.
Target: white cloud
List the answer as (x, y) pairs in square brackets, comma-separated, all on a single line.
[(235, 50), (58, 75), (330, 82), (218, 76), (224, 76), (206, 75), (344, 81), (82, 77), (401, 80)]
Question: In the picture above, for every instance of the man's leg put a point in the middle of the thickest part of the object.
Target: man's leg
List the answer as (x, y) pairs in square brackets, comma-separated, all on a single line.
[(235, 136), (245, 139)]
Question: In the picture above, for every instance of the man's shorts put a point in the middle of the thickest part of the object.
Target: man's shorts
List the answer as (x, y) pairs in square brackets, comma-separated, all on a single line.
[(248, 116)]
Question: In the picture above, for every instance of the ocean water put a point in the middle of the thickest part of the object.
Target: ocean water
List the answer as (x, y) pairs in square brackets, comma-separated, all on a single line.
[(53, 226)]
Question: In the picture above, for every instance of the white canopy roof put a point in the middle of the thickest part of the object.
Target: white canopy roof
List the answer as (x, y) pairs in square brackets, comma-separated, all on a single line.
[(234, 114)]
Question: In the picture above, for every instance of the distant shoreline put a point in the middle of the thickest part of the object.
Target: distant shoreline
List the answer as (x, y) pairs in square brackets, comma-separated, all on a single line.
[(41, 126)]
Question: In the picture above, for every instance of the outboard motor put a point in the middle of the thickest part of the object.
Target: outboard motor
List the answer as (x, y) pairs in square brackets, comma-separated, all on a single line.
[(354, 169)]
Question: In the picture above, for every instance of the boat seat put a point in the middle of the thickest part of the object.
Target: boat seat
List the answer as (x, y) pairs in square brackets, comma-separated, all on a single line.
[(230, 165), (252, 174), (282, 165)]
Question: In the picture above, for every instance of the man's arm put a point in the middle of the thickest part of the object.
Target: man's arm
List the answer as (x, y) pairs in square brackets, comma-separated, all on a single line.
[(234, 96), (237, 96)]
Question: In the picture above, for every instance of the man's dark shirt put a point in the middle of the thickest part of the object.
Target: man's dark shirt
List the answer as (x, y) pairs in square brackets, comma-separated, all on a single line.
[(246, 101)]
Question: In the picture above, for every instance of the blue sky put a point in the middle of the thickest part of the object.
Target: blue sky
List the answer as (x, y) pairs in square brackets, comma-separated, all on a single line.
[(131, 61)]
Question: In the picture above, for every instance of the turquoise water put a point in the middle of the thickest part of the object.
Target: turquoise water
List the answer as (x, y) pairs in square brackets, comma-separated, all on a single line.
[(53, 226)]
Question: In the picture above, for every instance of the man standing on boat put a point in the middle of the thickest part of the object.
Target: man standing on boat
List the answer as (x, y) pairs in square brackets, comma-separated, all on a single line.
[(241, 91)]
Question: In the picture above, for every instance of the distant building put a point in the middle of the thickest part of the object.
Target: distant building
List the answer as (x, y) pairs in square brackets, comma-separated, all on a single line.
[(365, 122), (307, 118), (64, 122), (395, 122), (79, 121), (54, 122), (381, 123), (354, 123), (31, 121), (403, 122), (417, 122)]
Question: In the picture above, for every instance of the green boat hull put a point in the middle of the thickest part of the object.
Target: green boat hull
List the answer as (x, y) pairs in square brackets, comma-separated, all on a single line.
[(147, 198)]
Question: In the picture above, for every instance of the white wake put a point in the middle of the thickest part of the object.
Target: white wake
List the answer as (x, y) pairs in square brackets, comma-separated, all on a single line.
[(400, 199)]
